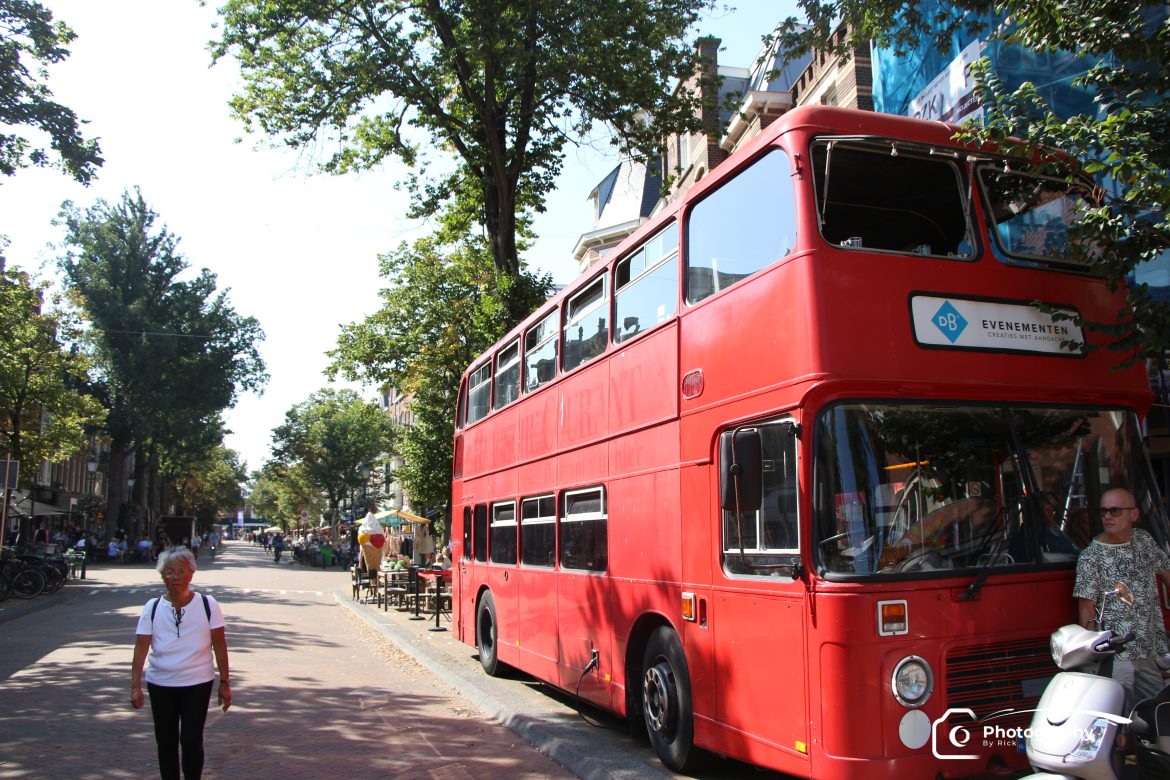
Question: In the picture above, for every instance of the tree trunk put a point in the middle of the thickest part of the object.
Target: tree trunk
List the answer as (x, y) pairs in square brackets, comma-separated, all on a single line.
[(115, 479), (142, 459)]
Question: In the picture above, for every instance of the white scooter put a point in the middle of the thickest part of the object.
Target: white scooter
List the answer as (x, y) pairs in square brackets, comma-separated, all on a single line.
[(1080, 730)]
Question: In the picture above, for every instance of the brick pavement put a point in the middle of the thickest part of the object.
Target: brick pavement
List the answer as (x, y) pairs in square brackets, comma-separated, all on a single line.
[(318, 693)]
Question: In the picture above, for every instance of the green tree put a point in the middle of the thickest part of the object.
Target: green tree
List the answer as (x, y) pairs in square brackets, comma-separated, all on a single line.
[(445, 304), (329, 437), (502, 85), (30, 41), (280, 492), (209, 486), (170, 352), (44, 412), (1123, 142)]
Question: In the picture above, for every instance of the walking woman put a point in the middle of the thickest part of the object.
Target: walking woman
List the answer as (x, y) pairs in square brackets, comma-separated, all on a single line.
[(178, 633)]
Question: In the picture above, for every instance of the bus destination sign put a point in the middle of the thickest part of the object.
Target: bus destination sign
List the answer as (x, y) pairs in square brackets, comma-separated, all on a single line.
[(960, 323)]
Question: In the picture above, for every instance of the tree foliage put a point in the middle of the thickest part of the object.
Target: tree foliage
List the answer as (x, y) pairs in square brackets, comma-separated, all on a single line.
[(502, 85), (328, 438), (44, 412), (445, 304), (280, 492), (1123, 143), (30, 41), (209, 486), (170, 351)]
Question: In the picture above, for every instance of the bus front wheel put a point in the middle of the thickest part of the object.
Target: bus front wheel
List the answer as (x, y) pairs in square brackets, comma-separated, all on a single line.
[(485, 634), (666, 700)]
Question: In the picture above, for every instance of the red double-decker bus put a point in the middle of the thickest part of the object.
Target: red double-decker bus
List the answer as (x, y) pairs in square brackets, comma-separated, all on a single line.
[(800, 474)]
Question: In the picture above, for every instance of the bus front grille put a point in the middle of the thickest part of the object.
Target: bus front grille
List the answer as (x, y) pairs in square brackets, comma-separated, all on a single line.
[(1004, 679)]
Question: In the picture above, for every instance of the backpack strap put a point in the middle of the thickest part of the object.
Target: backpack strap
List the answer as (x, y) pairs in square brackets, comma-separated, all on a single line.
[(206, 607)]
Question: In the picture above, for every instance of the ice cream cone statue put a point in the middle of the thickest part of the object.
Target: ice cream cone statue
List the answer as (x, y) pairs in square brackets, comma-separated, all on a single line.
[(372, 540)]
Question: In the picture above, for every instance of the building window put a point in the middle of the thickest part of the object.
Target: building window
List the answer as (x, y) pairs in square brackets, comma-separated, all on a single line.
[(584, 542), (538, 531)]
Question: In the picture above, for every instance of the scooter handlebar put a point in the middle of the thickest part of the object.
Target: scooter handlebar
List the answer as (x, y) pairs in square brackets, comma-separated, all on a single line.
[(1117, 642)]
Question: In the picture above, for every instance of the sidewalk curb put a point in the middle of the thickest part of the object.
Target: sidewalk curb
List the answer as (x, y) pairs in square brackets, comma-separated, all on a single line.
[(563, 742)]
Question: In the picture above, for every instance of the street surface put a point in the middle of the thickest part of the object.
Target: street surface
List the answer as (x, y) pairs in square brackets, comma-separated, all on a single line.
[(322, 687), (316, 692)]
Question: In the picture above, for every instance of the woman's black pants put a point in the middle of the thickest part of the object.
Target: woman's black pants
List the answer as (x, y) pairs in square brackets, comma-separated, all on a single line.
[(179, 715)]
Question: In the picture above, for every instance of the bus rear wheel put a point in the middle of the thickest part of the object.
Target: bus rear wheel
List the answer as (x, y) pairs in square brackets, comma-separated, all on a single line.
[(485, 635), (666, 701)]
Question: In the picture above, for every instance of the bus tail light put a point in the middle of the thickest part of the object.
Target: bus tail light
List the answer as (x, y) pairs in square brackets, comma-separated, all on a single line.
[(893, 618), (689, 612)]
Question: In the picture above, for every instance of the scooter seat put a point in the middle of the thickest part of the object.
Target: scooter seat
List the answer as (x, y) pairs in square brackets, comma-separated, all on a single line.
[(1151, 717)]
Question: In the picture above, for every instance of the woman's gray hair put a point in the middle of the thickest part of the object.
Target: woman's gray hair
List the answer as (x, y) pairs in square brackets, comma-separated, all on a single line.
[(172, 554)]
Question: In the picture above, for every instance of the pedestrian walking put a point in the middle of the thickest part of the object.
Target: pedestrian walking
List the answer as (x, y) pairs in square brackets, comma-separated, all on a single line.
[(1122, 553), (178, 633)]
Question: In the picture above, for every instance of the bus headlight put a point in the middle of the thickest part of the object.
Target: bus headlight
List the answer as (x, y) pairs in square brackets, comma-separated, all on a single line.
[(912, 682)]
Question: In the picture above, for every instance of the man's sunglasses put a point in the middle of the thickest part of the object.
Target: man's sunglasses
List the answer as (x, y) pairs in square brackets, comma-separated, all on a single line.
[(1115, 511)]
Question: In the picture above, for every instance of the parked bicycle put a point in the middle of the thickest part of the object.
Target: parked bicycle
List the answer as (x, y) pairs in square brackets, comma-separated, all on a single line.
[(53, 568), (19, 578)]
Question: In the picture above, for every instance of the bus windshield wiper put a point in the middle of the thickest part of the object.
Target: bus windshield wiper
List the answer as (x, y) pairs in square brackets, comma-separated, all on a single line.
[(985, 570)]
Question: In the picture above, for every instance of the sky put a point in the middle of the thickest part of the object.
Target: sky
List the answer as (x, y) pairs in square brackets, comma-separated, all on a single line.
[(295, 249)]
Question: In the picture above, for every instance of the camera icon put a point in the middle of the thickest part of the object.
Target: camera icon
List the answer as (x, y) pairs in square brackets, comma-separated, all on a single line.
[(954, 740)]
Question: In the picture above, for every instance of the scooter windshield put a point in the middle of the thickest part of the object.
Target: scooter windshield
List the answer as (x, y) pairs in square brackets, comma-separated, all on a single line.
[(904, 488)]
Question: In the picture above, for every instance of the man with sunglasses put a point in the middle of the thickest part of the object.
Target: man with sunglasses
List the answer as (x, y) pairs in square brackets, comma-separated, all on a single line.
[(1122, 553)]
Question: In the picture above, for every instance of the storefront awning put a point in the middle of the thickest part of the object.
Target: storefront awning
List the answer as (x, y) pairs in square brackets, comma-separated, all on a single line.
[(397, 517)]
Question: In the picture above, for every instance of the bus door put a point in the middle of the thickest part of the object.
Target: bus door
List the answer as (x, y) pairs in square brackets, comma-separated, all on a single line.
[(502, 580), (583, 591), (758, 621), (474, 552), (538, 586)]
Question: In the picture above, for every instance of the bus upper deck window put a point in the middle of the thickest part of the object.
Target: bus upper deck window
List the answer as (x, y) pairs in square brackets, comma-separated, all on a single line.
[(480, 395), (540, 353), (646, 284), (879, 196), (586, 325), (1033, 218), (507, 375), (742, 227)]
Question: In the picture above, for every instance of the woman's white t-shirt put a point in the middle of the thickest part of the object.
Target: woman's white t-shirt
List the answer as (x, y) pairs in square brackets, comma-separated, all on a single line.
[(180, 655)]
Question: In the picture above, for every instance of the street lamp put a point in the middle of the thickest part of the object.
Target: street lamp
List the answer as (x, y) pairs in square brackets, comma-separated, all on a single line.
[(91, 467), (364, 471)]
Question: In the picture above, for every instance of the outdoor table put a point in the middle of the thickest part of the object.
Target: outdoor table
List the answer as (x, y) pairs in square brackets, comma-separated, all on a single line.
[(394, 583), (439, 576)]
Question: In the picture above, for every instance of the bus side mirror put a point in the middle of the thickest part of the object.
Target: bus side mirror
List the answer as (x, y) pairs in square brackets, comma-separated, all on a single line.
[(741, 470)]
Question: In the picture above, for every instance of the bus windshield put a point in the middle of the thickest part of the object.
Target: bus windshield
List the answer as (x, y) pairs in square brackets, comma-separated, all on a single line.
[(907, 488)]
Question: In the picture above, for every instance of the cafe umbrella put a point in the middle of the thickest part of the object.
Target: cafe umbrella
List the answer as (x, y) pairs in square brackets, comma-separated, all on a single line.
[(397, 517)]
